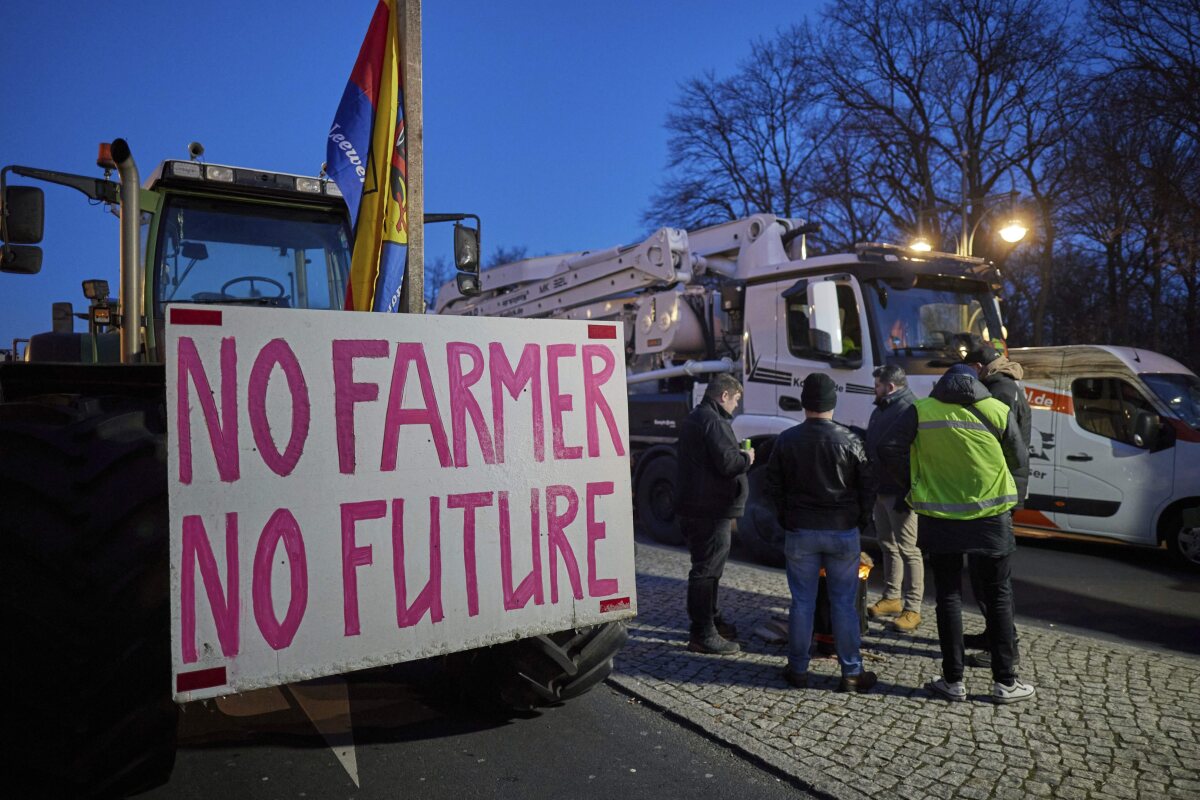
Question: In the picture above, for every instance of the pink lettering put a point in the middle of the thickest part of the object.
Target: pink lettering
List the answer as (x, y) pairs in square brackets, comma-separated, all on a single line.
[(463, 402), (468, 503), (531, 584), (225, 604), (277, 352), (355, 556), (347, 392), (528, 372), (559, 403), (282, 526), (223, 437), (597, 587), (398, 416), (593, 398), (430, 598), (557, 539)]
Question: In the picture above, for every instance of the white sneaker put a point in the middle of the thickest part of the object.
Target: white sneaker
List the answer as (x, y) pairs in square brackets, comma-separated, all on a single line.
[(948, 690), (1012, 694)]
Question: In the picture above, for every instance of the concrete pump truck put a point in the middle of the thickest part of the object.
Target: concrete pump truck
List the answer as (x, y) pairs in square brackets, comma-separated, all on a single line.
[(744, 297)]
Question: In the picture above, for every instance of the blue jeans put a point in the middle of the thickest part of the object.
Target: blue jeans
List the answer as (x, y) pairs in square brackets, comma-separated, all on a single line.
[(807, 551)]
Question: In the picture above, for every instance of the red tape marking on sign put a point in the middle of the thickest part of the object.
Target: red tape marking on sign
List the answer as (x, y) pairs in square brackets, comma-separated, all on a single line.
[(602, 331), (200, 679), (615, 604), (195, 316)]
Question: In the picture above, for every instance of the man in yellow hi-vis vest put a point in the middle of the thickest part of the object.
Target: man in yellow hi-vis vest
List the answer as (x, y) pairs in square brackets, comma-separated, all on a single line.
[(956, 451)]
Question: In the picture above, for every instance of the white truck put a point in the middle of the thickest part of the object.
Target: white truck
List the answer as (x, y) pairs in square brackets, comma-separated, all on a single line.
[(744, 297)]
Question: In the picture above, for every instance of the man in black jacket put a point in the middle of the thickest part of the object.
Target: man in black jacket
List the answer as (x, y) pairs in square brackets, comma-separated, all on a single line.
[(895, 523), (711, 492), (1002, 379), (818, 477)]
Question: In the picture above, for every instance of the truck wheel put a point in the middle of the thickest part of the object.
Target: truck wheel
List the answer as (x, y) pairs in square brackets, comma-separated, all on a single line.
[(541, 670), (656, 501), (1183, 538), (759, 531), (83, 488)]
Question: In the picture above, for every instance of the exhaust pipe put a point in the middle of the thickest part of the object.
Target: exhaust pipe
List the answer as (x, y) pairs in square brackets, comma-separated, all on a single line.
[(132, 290)]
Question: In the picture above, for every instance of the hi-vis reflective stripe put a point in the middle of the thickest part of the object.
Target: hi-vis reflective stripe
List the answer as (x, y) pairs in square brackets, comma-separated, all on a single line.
[(955, 507), (952, 423)]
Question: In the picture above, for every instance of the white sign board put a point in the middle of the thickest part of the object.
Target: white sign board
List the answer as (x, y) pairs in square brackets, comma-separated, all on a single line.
[(352, 490)]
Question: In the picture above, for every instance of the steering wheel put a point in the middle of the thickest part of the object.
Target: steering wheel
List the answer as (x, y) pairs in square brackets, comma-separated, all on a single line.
[(251, 279)]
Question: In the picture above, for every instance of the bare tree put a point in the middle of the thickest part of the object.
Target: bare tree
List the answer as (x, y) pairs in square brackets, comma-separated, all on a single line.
[(740, 145)]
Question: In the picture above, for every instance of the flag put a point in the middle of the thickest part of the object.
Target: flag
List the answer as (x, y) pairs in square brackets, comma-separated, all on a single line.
[(366, 156)]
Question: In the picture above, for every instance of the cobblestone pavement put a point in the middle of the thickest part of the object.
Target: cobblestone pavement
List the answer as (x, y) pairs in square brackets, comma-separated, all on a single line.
[(1108, 721)]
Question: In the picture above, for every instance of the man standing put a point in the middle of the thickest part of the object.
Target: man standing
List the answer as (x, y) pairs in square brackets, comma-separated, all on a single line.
[(895, 522), (957, 451), (818, 477), (712, 489), (1002, 379)]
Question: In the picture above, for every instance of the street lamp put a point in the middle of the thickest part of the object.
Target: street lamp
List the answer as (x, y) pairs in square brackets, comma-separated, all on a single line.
[(1013, 231)]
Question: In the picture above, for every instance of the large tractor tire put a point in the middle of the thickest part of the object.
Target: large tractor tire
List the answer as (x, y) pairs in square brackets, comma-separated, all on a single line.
[(539, 671), (655, 500), (83, 526), (758, 531)]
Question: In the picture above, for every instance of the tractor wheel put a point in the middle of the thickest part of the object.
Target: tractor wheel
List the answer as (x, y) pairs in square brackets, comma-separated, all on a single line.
[(656, 501), (83, 493), (758, 530), (541, 670)]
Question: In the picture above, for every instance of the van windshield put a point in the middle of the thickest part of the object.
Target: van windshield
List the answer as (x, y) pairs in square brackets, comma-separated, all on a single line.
[(233, 252), (932, 316), (1180, 392)]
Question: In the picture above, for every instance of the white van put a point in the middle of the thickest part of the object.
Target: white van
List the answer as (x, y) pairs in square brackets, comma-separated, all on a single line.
[(1115, 451)]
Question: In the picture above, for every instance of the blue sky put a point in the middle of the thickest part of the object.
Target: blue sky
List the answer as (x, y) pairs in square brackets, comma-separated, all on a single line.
[(545, 118)]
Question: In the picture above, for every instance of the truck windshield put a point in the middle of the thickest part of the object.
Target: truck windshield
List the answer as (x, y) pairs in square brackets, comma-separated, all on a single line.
[(225, 251), (1181, 393), (934, 316)]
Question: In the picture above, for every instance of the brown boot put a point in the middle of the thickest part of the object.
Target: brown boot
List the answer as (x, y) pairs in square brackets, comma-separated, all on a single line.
[(885, 608), (907, 622)]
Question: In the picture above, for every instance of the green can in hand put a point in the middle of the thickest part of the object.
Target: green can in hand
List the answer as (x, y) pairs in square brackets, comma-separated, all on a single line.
[(746, 445)]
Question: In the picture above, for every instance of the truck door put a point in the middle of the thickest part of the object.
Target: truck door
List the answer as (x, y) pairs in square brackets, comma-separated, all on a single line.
[(1111, 487), (763, 376), (802, 350)]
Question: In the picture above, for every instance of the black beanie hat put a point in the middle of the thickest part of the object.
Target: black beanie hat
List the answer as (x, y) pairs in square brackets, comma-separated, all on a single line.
[(982, 355), (819, 393)]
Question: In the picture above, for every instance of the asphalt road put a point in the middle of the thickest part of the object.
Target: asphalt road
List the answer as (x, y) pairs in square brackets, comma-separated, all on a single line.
[(412, 742), (1115, 592)]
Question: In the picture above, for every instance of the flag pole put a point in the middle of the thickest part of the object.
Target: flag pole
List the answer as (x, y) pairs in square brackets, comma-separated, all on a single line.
[(412, 299)]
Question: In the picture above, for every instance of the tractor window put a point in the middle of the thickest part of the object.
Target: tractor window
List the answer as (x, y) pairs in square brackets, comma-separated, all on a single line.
[(1107, 407), (225, 251)]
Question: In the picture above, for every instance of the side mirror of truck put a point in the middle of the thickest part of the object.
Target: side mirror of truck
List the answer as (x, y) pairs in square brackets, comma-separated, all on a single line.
[(23, 210), (825, 325), (24, 214), (466, 248), (1146, 429)]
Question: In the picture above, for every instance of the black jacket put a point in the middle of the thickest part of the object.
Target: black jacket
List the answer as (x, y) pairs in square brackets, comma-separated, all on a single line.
[(988, 535), (711, 482), (818, 477), (1002, 386), (887, 411)]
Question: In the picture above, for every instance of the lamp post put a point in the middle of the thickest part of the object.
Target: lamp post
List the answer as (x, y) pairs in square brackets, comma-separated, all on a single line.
[(1013, 232)]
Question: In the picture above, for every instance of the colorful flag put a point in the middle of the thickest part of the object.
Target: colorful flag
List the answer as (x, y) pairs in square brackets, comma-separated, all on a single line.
[(366, 156)]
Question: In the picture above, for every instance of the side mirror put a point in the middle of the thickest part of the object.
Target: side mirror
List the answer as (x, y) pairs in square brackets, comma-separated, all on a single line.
[(194, 251), (466, 248), (825, 326), (21, 259), (1146, 429), (62, 318), (24, 214)]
